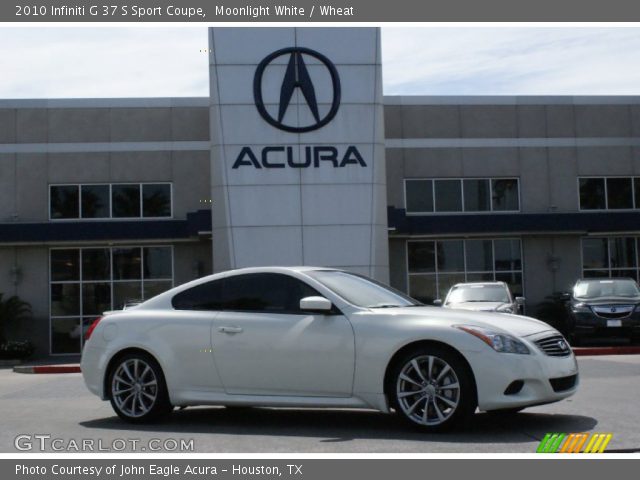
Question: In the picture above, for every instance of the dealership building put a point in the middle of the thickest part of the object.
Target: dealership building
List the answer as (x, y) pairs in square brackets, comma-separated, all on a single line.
[(296, 157)]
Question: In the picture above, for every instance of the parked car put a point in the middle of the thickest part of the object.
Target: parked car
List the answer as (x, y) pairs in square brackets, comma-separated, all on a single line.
[(482, 297), (302, 337), (604, 307)]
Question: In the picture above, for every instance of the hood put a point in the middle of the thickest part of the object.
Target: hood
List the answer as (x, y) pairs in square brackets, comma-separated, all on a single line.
[(478, 306), (506, 323), (608, 301)]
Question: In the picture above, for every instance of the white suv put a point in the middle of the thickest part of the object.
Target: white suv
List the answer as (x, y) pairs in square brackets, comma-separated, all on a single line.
[(482, 297)]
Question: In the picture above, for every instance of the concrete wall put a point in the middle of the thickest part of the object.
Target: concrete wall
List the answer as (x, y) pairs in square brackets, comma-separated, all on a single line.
[(83, 121)]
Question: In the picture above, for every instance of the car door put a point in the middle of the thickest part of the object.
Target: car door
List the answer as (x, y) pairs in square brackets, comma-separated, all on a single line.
[(264, 345)]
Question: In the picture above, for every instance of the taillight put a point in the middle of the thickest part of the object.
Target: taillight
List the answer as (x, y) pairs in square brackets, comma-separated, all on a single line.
[(91, 328)]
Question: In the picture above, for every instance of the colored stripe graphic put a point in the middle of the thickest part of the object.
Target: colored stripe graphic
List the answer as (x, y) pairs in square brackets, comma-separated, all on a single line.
[(581, 441), (550, 443), (569, 443), (598, 443), (573, 443)]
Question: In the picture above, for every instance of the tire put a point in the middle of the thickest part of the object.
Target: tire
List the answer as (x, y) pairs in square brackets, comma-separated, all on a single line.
[(137, 389), (432, 388)]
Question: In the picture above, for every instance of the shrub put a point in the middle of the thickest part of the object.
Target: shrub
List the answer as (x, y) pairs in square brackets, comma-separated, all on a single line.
[(17, 350), (13, 309)]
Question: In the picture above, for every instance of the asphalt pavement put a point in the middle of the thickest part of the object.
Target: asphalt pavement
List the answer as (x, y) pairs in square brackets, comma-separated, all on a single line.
[(55, 412)]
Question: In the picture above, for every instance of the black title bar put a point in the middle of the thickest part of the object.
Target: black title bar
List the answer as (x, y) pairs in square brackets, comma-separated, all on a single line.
[(318, 11)]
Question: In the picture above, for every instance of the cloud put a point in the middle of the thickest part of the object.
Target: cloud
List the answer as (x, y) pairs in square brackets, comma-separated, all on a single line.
[(103, 62), (516, 61), (57, 62)]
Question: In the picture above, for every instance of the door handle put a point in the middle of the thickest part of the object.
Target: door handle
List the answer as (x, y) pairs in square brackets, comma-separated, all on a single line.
[(230, 330)]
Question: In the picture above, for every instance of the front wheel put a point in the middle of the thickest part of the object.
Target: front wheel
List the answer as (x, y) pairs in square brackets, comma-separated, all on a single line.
[(433, 389), (138, 391)]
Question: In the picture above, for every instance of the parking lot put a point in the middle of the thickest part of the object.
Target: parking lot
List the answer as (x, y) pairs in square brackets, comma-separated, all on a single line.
[(60, 406)]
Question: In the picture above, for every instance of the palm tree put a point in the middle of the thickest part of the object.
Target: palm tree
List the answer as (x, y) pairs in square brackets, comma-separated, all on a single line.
[(12, 309)]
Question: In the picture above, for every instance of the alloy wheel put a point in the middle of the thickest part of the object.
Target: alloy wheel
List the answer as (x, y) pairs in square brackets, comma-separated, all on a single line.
[(428, 390), (134, 387)]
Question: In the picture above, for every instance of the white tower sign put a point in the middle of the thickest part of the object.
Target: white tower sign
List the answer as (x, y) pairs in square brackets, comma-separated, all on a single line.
[(298, 148)]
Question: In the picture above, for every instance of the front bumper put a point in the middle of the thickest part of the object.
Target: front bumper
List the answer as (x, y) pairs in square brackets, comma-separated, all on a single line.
[(588, 324), (545, 379)]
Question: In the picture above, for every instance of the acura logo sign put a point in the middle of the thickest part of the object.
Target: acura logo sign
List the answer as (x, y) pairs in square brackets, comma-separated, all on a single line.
[(297, 77)]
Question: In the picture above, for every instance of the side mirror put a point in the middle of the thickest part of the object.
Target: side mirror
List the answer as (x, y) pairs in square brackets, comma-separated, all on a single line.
[(437, 302), (520, 300), (316, 305)]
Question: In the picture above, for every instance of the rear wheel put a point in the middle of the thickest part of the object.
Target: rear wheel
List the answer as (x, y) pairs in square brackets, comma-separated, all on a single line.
[(137, 389), (433, 389)]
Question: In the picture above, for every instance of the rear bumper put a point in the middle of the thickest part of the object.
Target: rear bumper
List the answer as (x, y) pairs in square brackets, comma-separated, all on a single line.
[(93, 365)]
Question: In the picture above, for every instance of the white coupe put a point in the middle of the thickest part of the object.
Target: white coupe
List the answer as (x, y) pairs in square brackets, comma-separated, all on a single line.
[(319, 337)]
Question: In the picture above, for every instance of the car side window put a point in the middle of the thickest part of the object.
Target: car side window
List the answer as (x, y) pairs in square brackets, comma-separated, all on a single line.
[(265, 292), (207, 296)]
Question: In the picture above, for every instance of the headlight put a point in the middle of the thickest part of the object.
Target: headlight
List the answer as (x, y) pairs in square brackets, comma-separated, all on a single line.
[(580, 307), (498, 341), (505, 309)]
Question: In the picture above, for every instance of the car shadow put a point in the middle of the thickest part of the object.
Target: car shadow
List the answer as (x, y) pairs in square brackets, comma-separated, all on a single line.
[(347, 425)]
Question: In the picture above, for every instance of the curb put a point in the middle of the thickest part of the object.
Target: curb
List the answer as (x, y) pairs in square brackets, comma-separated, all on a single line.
[(73, 368), (584, 351)]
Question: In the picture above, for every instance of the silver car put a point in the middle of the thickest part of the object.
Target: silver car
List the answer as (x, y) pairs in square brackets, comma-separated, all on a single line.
[(482, 297)]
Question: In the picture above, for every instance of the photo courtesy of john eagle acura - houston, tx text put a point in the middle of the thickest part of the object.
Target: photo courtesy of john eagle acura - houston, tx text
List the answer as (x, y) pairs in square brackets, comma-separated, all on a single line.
[(298, 163)]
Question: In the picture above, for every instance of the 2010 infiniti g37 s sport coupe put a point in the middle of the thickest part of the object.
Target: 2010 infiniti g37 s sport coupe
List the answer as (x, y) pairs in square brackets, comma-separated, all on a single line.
[(302, 337)]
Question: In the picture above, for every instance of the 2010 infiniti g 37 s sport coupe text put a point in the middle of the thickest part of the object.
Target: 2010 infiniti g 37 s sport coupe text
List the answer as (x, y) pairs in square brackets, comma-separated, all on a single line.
[(319, 337)]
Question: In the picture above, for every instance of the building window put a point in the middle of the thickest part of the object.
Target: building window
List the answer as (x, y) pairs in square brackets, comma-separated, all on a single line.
[(156, 200), (609, 193), (448, 195), (419, 195), (95, 201), (434, 266), (125, 201), (102, 201), (85, 282), (64, 201), (610, 257), (477, 195), (457, 195)]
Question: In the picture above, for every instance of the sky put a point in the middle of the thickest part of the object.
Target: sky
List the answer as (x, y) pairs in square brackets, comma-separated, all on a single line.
[(170, 62)]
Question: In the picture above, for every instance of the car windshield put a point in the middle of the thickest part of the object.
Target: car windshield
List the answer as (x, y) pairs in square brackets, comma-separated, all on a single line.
[(361, 291), (606, 288), (478, 293)]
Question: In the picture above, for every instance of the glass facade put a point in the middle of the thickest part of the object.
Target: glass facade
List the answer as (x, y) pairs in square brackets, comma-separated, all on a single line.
[(84, 282), (610, 257), (101, 201), (609, 193), (434, 266), (456, 195)]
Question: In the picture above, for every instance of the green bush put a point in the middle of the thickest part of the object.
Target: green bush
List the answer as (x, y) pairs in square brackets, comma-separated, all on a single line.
[(13, 309), (16, 350)]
